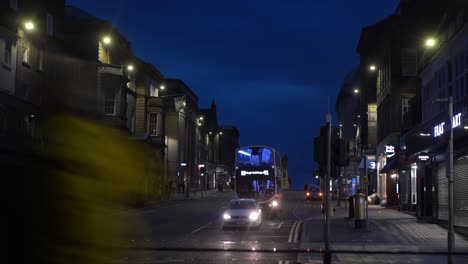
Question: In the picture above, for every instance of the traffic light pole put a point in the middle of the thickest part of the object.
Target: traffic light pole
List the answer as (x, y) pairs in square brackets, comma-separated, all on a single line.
[(327, 194)]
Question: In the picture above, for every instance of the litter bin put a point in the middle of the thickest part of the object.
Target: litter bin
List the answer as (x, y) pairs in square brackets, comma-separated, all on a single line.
[(351, 206), (359, 210)]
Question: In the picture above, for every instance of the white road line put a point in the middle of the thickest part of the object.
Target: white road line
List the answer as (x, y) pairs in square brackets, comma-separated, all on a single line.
[(200, 228), (292, 231), (296, 234), (280, 225)]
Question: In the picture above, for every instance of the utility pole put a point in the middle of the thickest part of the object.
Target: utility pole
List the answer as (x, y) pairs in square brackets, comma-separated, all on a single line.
[(450, 234), (327, 190)]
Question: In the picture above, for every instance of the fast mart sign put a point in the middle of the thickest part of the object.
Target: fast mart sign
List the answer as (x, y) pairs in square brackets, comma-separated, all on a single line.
[(439, 129)]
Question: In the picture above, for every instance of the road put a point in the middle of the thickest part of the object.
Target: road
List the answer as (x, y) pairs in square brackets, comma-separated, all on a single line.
[(196, 224)]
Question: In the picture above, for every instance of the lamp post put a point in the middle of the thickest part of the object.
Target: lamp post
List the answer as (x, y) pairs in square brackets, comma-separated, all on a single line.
[(449, 175)]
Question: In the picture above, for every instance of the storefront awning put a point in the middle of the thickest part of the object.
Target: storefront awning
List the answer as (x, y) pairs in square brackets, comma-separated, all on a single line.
[(393, 164)]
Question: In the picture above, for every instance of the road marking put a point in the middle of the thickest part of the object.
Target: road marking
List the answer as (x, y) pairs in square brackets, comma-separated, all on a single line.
[(292, 231), (200, 228), (296, 234), (280, 225)]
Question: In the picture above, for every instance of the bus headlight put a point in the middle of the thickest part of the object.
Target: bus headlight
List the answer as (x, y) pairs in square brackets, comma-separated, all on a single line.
[(274, 203), (226, 216), (253, 216)]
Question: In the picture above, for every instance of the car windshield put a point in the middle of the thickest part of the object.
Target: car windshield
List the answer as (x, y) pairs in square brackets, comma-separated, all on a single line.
[(234, 131), (241, 205)]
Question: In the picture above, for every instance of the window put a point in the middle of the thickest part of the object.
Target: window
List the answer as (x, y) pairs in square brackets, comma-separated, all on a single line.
[(153, 126), (109, 102), (50, 24), (153, 91), (103, 54), (404, 112), (7, 52), (40, 60), (26, 50)]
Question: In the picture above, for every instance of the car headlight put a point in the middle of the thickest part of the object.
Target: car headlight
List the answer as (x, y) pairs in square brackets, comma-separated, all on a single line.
[(274, 203), (253, 216), (226, 216)]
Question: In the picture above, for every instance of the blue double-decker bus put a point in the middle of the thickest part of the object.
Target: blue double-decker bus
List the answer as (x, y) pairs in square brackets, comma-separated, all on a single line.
[(259, 176)]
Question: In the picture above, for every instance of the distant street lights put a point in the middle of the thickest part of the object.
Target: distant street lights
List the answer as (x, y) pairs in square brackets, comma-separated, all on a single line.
[(356, 91), (372, 67)]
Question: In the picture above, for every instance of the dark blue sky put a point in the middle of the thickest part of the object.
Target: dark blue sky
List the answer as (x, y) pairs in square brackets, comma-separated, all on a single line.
[(269, 64)]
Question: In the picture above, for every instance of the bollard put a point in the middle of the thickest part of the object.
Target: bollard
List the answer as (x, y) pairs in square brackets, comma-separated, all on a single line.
[(351, 206), (359, 210)]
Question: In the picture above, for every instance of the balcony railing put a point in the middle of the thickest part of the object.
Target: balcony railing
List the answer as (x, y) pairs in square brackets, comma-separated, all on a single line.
[(155, 102)]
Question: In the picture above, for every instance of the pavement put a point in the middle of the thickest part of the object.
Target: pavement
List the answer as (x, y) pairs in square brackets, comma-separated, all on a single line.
[(389, 230)]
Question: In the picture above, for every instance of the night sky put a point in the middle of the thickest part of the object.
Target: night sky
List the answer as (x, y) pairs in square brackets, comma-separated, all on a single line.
[(269, 64)]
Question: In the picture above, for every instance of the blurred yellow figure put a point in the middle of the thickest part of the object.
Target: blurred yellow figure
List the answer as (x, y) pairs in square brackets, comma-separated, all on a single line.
[(74, 193)]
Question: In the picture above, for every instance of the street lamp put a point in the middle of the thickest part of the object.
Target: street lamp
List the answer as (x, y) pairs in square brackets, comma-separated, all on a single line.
[(449, 174), (107, 40), (130, 67), (162, 87), (356, 91), (28, 25), (430, 42), (372, 67)]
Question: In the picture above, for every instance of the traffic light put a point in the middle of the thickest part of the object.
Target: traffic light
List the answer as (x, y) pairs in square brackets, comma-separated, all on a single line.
[(202, 171)]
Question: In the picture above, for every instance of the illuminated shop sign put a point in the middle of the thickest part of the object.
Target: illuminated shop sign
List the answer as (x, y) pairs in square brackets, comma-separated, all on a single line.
[(265, 172), (372, 165), (423, 157), (389, 151), (439, 129)]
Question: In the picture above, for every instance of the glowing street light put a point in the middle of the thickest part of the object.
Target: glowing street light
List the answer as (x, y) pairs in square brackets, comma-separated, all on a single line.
[(29, 25), (430, 42), (356, 91), (162, 87), (106, 40), (372, 67), (130, 67)]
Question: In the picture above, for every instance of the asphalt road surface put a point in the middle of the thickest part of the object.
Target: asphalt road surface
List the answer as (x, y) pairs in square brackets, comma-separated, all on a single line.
[(190, 231)]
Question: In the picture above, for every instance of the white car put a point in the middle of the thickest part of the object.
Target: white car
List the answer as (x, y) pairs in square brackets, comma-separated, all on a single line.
[(242, 212)]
